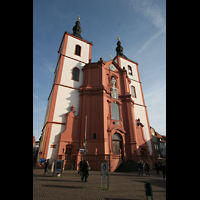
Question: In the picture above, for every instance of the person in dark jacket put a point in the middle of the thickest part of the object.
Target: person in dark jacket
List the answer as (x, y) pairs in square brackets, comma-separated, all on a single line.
[(84, 171), (80, 167), (148, 168), (163, 168), (46, 166), (141, 167), (88, 169)]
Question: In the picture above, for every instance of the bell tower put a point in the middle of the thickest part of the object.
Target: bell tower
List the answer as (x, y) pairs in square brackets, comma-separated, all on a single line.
[(73, 54), (139, 107)]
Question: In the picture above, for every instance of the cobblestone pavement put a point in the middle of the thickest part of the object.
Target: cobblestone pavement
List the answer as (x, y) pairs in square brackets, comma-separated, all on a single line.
[(123, 185)]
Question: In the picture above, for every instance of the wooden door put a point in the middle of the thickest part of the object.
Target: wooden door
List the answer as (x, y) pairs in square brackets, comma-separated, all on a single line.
[(116, 147)]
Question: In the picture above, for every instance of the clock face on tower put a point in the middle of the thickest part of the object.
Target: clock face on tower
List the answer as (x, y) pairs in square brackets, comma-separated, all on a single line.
[(112, 67)]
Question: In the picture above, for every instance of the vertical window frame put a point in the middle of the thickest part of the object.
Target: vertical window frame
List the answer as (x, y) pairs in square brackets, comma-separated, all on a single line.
[(130, 68), (134, 91), (78, 49), (72, 78), (112, 109)]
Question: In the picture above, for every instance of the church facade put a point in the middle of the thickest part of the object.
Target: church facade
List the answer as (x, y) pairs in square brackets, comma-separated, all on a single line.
[(96, 104)]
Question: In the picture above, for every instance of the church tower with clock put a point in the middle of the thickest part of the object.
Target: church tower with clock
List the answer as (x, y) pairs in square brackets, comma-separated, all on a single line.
[(96, 106)]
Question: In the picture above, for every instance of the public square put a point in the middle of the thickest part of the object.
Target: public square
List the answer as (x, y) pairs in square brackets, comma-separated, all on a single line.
[(123, 185)]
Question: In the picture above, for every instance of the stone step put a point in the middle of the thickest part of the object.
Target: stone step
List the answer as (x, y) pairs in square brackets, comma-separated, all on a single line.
[(127, 166)]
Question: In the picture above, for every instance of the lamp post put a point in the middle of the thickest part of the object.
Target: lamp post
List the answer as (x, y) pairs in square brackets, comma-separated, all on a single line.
[(85, 142)]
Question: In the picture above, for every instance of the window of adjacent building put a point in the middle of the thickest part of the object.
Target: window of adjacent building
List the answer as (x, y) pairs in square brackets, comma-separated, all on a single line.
[(75, 74), (78, 50), (129, 70), (115, 111), (155, 146), (95, 136), (133, 91)]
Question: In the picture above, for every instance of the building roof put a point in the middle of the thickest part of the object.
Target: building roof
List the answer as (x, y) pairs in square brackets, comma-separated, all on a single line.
[(160, 136)]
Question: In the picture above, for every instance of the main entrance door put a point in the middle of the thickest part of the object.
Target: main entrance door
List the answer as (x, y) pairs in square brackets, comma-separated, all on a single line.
[(116, 142)]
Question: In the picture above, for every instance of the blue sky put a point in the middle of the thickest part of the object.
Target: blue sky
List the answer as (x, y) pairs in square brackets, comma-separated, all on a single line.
[(141, 26)]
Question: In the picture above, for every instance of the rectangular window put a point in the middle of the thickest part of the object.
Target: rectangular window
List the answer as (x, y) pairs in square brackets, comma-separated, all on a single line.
[(133, 91), (78, 50), (115, 111), (75, 74), (95, 136)]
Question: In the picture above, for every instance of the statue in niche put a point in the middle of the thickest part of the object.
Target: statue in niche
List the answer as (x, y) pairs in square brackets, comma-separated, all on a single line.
[(113, 81), (114, 93)]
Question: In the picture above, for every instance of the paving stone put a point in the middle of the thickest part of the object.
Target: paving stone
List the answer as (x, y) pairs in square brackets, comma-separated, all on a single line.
[(123, 185)]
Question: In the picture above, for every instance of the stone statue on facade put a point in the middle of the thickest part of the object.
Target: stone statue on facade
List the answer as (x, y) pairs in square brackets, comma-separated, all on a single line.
[(114, 93)]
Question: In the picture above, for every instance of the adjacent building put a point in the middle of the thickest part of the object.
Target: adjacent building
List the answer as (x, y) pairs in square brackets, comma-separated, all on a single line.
[(162, 145), (159, 143), (155, 141)]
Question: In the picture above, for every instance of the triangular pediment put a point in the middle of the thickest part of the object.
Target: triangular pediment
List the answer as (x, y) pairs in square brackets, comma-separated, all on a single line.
[(109, 65), (117, 67)]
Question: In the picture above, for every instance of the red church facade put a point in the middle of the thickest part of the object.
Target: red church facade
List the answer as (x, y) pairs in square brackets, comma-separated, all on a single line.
[(108, 139), (111, 98)]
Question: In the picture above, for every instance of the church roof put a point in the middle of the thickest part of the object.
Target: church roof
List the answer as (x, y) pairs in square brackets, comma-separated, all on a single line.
[(119, 49)]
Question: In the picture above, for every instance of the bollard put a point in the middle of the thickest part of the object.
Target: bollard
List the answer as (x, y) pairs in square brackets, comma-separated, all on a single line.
[(148, 190)]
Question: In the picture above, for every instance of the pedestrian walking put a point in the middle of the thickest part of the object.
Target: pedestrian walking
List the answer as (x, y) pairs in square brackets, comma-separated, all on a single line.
[(148, 168), (46, 166), (163, 168), (141, 167), (88, 169), (84, 171), (80, 167)]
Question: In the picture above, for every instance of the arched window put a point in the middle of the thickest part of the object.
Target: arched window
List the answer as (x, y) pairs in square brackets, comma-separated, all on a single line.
[(75, 74), (129, 70), (78, 50), (133, 91), (116, 137), (115, 111)]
